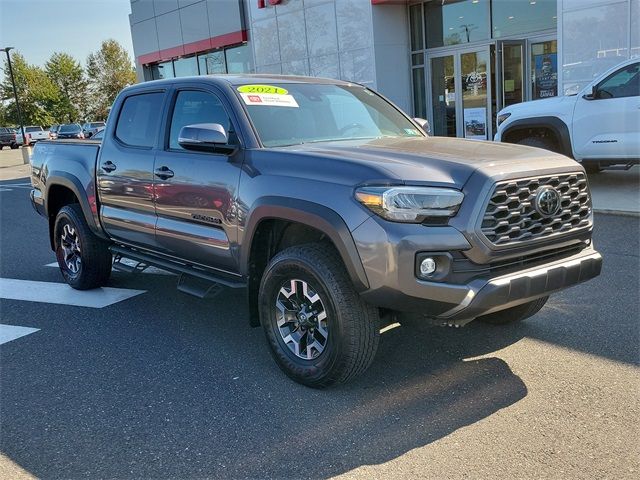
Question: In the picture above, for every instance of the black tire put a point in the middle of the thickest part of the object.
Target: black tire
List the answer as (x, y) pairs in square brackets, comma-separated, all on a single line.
[(94, 265), (352, 326), (592, 168), (14, 146), (539, 142), (514, 314), (1, 147)]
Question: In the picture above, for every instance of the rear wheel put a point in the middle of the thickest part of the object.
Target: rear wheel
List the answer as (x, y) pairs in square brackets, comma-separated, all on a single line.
[(319, 330), (514, 314), (83, 258)]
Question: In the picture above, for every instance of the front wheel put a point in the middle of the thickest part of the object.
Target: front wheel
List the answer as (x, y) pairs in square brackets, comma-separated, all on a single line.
[(83, 258), (318, 329), (514, 314), (539, 142)]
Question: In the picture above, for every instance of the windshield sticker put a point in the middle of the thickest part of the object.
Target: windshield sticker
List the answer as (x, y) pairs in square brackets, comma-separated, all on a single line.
[(411, 131), (269, 100), (262, 89)]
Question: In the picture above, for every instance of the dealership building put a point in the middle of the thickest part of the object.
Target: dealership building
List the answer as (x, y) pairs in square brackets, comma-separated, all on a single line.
[(444, 60)]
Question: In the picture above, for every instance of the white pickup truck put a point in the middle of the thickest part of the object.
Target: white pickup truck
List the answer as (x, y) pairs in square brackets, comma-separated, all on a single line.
[(599, 126), (33, 134)]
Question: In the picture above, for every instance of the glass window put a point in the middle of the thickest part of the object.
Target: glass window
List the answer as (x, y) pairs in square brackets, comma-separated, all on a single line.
[(514, 17), (71, 128), (415, 23), (185, 67), (453, 22), (194, 107), (322, 113), (419, 95), (238, 59), (212, 62), (443, 96), (544, 69), (139, 119), (162, 70), (623, 83)]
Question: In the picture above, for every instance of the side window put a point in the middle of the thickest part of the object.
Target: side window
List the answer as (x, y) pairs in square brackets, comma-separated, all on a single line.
[(139, 119), (194, 107), (623, 83)]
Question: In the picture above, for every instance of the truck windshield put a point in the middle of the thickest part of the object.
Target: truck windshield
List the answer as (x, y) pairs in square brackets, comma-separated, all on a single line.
[(292, 114)]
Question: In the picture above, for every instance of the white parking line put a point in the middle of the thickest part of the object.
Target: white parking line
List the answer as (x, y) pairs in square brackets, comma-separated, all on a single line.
[(11, 332), (63, 294), (154, 270)]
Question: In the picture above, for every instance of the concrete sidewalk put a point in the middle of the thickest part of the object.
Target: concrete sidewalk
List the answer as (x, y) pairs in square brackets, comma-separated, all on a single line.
[(616, 191)]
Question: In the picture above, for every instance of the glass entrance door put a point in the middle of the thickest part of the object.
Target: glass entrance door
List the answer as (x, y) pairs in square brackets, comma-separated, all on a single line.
[(460, 86), (511, 65), (443, 96)]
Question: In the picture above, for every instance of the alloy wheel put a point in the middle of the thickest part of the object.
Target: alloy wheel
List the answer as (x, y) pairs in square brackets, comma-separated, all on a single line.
[(70, 244), (302, 319)]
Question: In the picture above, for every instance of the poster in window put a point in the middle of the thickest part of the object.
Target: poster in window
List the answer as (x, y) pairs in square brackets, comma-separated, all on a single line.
[(475, 123), (546, 81)]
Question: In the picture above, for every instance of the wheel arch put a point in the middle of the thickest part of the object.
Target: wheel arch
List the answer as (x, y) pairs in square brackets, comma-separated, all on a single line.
[(285, 222), (64, 189), (554, 124)]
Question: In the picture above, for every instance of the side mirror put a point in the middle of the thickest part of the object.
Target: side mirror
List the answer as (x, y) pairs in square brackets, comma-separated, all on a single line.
[(424, 124), (592, 95), (204, 137)]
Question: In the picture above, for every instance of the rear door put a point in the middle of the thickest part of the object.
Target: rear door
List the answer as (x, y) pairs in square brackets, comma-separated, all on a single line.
[(195, 191), (125, 169), (608, 126)]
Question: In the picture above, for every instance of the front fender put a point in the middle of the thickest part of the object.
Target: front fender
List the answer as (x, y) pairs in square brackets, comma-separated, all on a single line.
[(313, 215)]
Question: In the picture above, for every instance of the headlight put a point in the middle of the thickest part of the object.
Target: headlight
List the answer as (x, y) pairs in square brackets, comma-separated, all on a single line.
[(410, 204), (502, 117)]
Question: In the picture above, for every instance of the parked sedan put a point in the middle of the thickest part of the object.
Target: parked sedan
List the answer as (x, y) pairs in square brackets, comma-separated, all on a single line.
[(71, 130)]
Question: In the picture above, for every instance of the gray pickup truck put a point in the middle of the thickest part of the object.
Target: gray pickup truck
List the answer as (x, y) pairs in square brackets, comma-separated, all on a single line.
[(334, 210)]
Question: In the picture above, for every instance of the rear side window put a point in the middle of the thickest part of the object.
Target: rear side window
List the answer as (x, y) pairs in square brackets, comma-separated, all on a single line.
[(194, 107), (139, 119)]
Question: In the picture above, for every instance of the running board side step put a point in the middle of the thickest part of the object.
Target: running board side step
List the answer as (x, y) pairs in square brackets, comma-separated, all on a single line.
[(193, 280)]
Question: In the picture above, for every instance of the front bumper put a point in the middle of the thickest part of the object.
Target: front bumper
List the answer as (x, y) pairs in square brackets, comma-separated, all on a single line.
[(500, 293), (389, 255)]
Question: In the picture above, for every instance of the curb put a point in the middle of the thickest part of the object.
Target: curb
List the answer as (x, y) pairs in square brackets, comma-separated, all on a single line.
[(620, 213)]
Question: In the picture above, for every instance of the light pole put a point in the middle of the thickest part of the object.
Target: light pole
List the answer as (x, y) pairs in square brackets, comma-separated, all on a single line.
[(15, 92)]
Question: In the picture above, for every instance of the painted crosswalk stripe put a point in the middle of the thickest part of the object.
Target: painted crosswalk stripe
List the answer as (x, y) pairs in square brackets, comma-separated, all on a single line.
[(154, 270), (63, 294), (11, 332)]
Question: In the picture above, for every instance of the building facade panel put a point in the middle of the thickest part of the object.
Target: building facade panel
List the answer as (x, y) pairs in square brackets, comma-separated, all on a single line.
[(454, 62)]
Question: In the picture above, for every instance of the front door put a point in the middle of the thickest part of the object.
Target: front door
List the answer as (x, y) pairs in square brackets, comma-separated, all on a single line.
[(125, 170), (460, 87), (607, 125), (195, 191)]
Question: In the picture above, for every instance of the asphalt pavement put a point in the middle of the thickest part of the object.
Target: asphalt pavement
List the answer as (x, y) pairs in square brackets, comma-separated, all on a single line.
[(152, 383)]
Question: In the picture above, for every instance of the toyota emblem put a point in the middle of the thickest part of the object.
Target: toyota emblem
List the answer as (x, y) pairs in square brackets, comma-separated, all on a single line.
[(547, 201)]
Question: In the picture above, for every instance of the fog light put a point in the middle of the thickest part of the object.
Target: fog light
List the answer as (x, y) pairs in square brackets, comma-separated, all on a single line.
[(427, 266)]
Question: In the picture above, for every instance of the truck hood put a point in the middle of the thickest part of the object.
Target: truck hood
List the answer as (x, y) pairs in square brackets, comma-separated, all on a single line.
[(552, 105), (437, 160)]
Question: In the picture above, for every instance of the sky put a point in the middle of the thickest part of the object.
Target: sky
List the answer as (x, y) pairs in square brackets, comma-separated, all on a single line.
[(77, 27)]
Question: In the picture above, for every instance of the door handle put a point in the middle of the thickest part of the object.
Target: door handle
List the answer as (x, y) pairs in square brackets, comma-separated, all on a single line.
[(108, 166), (163, 172)]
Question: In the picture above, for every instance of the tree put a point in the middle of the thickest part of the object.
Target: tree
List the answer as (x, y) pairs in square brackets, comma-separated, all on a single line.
[(109, 70), (68, 76), (36, 92)]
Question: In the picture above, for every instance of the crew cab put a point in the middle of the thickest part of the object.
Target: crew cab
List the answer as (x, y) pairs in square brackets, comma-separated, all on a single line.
[(335, 212), (599, 126)]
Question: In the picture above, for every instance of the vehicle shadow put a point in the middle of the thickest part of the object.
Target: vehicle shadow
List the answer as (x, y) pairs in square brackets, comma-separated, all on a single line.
[(197, 395)]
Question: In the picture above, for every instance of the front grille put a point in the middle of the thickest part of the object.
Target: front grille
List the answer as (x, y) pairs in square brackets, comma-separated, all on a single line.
[(511, 216)]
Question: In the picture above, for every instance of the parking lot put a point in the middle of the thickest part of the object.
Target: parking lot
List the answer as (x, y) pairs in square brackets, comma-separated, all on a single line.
[(140, 380)]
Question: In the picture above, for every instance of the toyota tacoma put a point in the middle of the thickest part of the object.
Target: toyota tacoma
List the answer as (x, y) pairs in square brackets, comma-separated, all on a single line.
[(333, 210)]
